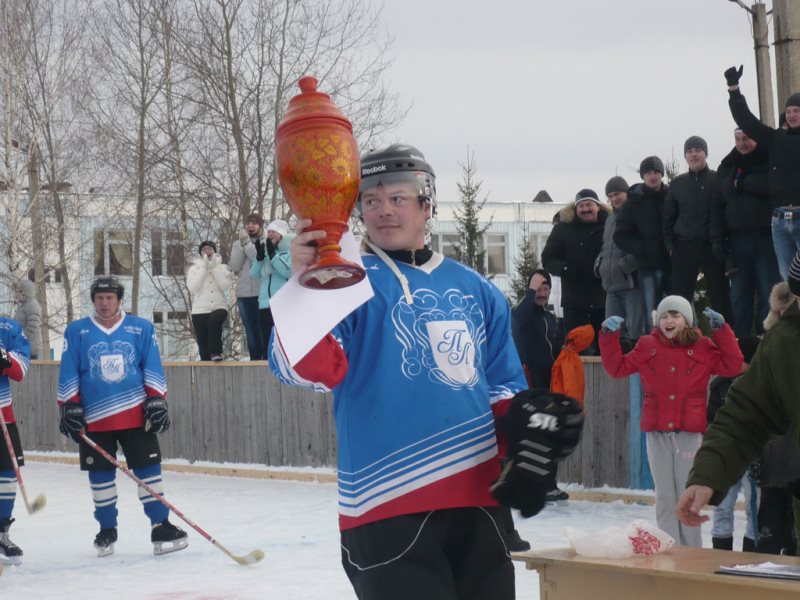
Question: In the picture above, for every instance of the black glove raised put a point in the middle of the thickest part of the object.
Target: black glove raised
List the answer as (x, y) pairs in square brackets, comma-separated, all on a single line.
[(270, 248), (733, 75), (156, 416), (5, 360), (260, 249), (71, 420), (542, 428)]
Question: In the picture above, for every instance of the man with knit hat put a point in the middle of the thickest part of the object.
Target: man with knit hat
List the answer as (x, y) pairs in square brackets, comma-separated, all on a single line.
[(687, 232), (570, 253), (617, 269), (740, 223), (243, 255), (762, 403), (783, 146), (639, 232)]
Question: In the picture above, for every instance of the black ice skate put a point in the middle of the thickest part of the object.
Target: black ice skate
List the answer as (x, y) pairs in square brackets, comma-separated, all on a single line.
[(10, 553), (104, 541), (167, 538)]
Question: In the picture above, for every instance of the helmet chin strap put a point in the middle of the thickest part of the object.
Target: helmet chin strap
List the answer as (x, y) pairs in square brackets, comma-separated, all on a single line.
[(114, 316), (393, 267)]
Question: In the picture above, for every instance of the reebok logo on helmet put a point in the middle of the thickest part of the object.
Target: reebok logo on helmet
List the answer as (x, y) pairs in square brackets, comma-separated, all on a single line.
[(372, 170)]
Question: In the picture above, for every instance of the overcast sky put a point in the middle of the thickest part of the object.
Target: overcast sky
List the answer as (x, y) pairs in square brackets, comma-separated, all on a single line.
[(563, 94)]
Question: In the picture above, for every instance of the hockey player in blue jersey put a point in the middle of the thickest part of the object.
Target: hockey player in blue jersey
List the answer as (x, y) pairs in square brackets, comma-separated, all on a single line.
[(111, 385), (420, 373), (14, 360)]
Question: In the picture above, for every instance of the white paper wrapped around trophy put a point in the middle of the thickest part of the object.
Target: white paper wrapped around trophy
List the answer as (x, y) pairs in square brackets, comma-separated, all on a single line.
[(639, 538)]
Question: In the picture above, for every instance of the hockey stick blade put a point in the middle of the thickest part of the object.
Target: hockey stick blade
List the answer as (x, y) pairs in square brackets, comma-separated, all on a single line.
[(249, 559), (38, 504)]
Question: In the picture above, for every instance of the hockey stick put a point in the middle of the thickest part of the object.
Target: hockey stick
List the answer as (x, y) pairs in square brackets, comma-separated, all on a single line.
[(249, 559), (40, 500)]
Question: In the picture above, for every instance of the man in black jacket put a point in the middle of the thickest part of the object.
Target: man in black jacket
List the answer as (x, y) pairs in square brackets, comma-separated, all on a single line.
[(536, 333), (740, 220), (639, 232), (570, 253), (783, 146), (687, 234)]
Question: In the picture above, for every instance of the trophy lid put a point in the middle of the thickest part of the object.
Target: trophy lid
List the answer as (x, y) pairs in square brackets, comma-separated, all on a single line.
[(311, 104)]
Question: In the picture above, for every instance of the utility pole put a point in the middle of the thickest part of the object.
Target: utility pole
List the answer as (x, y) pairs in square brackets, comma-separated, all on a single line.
[(766, 102), (786, 31)]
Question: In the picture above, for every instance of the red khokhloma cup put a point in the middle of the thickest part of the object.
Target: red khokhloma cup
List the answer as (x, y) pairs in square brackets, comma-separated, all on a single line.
[(318, 169)]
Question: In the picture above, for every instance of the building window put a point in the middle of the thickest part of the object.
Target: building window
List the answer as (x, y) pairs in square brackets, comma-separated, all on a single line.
[(113, 253), (446, 243), (496, 254), (51, 275), (167, 257)]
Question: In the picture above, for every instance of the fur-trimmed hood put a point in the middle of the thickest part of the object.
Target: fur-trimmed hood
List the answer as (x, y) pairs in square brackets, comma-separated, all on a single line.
[(779, 300), (568, 214)]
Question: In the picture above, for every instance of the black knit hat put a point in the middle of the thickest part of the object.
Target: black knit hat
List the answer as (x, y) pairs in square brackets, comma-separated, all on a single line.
[(651, 163), (794, 275), (748, 345), (793, 100), (587, 194), (616, 184), (695, 141), (207, 243)]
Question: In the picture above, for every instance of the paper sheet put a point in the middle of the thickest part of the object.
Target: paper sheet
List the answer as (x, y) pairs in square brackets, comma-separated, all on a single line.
[(304, 316)]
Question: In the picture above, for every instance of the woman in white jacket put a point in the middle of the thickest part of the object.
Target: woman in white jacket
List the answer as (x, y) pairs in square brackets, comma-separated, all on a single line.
[(207, 280)]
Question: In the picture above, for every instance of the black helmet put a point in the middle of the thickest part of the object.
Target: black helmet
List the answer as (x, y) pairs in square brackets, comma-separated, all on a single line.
[(107, 283), (398, 162)]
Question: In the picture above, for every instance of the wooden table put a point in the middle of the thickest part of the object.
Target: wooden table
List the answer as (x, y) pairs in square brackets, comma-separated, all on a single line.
[(679, 574)]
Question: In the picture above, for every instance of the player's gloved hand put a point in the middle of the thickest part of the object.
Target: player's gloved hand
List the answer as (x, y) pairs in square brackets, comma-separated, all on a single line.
[(71, 420), (612, 324), (270, 248), (156, 416), (5, 359), (260, 249), (244, 237), (542, 428), (733, 75), (715, 320)]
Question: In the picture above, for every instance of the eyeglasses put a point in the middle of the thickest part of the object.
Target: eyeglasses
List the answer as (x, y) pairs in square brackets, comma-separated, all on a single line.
[(374, 203)]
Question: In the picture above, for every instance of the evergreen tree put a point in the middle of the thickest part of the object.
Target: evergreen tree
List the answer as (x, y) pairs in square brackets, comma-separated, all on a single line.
[(470, 251), (525, 263)]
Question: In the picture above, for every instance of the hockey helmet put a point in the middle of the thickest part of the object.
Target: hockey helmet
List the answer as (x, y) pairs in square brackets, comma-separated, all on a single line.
[(398, 163), (107, 283)]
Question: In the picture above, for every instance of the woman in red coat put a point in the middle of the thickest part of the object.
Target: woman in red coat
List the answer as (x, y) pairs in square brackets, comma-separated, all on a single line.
[(675, 363)]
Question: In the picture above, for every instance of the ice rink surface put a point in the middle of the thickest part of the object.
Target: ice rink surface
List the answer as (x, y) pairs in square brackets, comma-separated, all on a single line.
[(294, 523)]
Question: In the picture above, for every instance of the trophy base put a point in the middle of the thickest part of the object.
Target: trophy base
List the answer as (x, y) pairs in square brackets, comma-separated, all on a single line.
[(332, 275)]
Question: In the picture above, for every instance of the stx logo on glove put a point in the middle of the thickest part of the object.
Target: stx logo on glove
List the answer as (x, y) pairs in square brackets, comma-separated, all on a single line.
[(544, 422)]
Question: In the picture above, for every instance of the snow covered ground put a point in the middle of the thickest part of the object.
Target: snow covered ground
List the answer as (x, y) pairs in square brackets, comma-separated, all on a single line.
[(294, 523)]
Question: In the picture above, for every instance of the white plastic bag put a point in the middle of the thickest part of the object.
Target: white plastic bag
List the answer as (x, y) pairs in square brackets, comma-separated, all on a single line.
[(640, 538)]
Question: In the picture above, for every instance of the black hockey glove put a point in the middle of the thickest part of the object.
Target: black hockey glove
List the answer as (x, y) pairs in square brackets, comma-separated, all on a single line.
[(733, 75), (260, 250), (156, 417), (5, 360), (71, 420), (270, 248), (542, 428)]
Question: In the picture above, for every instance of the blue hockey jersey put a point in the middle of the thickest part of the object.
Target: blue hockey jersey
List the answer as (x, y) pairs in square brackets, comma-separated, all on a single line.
[(110, 371), (414, 385), (14, 342)]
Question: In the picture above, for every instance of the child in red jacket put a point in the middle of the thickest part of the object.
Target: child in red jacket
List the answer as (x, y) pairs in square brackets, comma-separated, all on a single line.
[(675, 363)]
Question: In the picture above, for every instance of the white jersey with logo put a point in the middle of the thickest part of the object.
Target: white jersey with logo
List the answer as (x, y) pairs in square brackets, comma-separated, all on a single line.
[(108, 370), (413, 411)]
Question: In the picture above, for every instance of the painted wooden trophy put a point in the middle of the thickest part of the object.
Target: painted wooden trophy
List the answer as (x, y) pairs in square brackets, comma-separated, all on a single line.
[(319, 171)]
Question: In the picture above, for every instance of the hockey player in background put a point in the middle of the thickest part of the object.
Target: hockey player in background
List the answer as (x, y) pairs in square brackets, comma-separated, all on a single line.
[(14, 361), (420, 373), (111, 385)]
